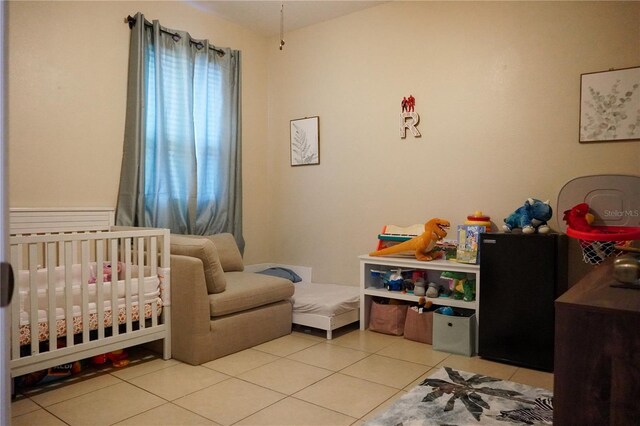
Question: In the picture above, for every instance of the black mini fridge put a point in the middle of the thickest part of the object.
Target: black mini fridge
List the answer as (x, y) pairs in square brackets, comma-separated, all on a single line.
[(521, 276)]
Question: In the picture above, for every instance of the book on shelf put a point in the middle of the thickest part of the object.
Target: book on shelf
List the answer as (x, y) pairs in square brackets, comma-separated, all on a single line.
[(469, 243)]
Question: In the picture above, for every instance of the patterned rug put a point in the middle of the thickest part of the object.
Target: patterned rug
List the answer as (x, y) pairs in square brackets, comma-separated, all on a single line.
[(452, 397)]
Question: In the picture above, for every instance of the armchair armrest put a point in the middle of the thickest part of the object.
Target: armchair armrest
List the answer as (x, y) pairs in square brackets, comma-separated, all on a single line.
[(190, 311)]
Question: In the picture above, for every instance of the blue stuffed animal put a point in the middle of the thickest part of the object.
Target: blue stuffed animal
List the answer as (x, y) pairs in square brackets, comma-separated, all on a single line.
[(531, 217)]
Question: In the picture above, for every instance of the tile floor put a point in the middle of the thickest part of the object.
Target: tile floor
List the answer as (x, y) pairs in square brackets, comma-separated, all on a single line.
[(299, 379)]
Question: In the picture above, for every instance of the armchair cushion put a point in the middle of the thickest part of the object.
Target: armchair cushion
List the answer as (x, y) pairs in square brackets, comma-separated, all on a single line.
[(228, 252), (205, 250), (246, 290)]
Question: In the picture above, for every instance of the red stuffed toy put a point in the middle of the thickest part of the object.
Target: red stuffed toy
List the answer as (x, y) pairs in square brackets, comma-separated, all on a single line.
[(579, 218)]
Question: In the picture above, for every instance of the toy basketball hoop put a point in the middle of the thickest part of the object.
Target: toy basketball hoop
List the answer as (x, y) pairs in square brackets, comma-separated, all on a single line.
[(614, 202), (603, 241)]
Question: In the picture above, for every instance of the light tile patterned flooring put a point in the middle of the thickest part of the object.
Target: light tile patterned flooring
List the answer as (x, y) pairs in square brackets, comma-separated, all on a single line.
[(298, 379)]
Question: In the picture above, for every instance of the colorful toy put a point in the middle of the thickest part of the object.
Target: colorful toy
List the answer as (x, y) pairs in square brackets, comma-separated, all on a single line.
[(456, 282), (118, 358), (531, 217), (465, 290), (579, 218), (477, 218), (393, 280), (423, 245)]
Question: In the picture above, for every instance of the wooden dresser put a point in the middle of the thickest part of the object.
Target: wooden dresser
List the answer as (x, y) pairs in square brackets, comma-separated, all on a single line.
[(597, 352)]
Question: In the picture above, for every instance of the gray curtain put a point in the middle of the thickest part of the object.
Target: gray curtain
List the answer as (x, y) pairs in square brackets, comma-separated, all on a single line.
[(181, 164)]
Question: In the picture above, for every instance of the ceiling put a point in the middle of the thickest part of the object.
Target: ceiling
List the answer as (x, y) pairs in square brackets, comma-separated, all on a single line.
[(263, 17)]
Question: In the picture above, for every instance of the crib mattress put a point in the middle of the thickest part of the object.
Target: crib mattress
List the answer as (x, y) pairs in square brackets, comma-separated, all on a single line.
[(325, 299)]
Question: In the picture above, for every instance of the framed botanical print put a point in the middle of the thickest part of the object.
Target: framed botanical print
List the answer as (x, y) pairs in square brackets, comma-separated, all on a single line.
[(305, 141), (610, 105)]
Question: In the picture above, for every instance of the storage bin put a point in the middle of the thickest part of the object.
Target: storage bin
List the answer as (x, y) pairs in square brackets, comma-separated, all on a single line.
[(455, 334), (419, 326), (387, 318)]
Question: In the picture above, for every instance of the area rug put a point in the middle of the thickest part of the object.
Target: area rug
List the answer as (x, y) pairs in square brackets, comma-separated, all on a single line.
[(452, 397)]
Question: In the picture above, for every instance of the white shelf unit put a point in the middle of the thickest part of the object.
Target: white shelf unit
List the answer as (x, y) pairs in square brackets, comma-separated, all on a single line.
[(370, 286)]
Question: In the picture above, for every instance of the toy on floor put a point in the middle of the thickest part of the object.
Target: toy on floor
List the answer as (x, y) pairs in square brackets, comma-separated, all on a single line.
[(531, 217), (423, 245), (118, 358), (579, 218)]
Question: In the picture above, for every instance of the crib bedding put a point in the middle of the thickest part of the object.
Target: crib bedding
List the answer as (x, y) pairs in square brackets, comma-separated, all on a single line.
[(77, 325), (150, 289), (325, 299)]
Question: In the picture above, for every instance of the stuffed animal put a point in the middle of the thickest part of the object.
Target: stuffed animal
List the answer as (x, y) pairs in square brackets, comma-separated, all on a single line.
[(456, 280), (579, 218), (433, 291), (423, 304), (531, 217), (106, 273), (465, 290)]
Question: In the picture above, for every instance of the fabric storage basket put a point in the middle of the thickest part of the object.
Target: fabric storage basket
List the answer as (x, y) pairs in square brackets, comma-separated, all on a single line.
[(387, 318), (419, 326), (454, 334)]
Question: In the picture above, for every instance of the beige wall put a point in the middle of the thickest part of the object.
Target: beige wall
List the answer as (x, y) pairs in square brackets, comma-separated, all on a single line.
[(497, 90), (67, 97), (496, 84)]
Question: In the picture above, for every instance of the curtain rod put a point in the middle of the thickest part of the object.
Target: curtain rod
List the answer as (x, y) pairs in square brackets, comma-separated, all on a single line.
[(175, 36)]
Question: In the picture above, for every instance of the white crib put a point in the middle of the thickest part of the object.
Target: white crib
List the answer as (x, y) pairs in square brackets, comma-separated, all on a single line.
[(84, 287)]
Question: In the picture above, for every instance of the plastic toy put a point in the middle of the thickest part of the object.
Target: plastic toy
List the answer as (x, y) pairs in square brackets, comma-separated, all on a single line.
[(579, 218), (445, 310), (477, 218), (118, 358), (531, 217), (393, 281), (423, 245)]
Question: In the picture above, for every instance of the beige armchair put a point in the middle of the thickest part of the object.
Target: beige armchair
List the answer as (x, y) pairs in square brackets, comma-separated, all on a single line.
[(217, 308)]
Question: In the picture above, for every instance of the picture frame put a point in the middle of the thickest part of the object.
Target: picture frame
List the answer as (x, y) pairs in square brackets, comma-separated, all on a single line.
[(610, 105), (304, 135)]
